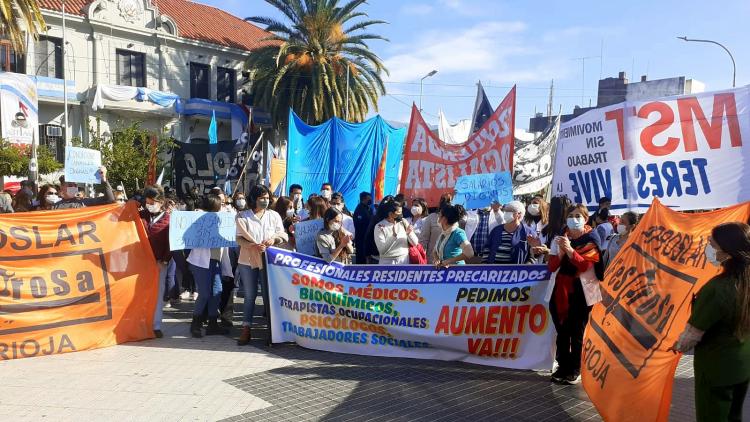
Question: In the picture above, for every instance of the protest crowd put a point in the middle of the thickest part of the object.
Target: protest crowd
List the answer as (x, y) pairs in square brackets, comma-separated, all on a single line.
[(564, 251)]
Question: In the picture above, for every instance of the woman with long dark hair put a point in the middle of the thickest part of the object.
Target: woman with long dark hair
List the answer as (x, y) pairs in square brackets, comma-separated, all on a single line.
[(719, 328)]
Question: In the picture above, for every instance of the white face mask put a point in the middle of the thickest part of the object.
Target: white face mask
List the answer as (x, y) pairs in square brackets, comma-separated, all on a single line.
[(509, 216), (533, 209), (52, 199), (326, 194), (297, 197), (241, 203), (153, 208), (621, 229), (290, 212), (339, 207), (71, 190), (335, 226), (575, 223), (416, 210), (181, 207), (711, 255)]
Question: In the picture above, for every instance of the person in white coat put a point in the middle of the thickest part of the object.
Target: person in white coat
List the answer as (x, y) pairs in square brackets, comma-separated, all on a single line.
[(393, 236)]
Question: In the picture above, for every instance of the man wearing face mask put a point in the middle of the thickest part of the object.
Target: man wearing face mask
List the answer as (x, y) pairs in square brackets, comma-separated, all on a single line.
[(156, 221), (70, 190), (326, 191), (508, 243), (362, 217)]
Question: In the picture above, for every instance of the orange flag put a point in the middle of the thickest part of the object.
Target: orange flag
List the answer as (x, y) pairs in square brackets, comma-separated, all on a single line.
[(380, 177), (647, 291), (73, 280)]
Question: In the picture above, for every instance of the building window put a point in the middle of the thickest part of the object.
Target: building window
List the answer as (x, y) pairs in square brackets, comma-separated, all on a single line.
[(48, 57), (10, 61), (53, 137), (225, 84), (199, 80), (131, 68)]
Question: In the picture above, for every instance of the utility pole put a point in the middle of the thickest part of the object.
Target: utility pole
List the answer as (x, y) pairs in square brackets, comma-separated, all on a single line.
[(734, 65), (549, 102), (583, 73), (65, 78)]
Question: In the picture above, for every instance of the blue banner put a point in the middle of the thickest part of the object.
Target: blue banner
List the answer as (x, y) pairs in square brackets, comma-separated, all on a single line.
[(344, 154), (198, 229), (479, 190)]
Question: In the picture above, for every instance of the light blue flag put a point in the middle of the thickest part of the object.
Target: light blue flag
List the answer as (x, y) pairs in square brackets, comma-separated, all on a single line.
[(212, 135)]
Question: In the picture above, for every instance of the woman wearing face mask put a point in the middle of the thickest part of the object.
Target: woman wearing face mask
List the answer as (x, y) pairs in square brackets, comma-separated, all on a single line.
[(333, 242), (47, 197), (208, 266), (719, 327), (573, 256), (393, 235), (508, 243), (453, 247), (626, 226), (431, 229), (156, 221), (418, 214), (536, 220), (239, 202), (257, 228)]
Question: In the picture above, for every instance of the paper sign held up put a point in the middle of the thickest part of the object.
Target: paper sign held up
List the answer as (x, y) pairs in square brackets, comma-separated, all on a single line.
[(82, 165), (198, 229), (304, 235), (479, 190)]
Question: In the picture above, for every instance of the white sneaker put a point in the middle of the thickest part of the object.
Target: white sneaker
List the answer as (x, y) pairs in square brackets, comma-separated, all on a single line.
[(185, 295), (195, 295), (167, 304)]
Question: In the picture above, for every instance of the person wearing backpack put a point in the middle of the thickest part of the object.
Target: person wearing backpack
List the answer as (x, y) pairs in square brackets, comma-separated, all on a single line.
[(453, 246)]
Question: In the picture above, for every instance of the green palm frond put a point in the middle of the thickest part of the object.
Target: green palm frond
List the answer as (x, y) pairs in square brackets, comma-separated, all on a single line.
[(17, 17), (305, 68)]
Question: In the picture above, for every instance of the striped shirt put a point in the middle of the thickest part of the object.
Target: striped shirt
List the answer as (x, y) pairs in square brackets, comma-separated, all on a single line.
[(503, 252)]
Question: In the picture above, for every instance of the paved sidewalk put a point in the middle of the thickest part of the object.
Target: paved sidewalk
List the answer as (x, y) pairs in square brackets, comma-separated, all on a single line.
[(179, 378)]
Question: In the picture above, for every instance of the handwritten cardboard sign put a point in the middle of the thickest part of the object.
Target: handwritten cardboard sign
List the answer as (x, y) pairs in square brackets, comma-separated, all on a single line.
[(82, 165), (479, 190), (304, 235), (198, 229)]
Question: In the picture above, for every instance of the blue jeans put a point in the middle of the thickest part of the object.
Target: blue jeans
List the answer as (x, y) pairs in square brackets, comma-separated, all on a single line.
[(159, 310), (250, 279), (208, 284), (173, 286)]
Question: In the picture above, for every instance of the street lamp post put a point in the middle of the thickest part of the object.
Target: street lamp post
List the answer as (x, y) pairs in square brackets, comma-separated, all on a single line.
[(734, 66), (421, 81)]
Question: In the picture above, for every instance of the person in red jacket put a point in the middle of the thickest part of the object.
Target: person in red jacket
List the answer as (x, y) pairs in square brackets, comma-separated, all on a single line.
[(155, 216), (573, 257)]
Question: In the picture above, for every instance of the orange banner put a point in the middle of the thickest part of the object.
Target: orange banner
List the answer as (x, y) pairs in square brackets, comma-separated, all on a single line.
[(74, 280), (647, 290)]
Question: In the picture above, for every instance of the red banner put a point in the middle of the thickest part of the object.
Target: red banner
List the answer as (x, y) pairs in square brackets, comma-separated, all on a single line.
[(431, 166)]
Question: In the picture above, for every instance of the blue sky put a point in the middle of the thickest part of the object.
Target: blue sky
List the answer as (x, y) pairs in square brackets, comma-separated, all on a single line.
[(528, 44)]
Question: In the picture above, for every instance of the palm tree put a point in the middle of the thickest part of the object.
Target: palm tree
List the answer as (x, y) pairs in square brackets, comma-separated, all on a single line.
[(17, 16), (304, 65)]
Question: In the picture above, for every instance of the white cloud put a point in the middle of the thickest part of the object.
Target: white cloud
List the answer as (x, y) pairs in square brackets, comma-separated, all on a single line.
[(418, 9), (483, 51), (464, 7)]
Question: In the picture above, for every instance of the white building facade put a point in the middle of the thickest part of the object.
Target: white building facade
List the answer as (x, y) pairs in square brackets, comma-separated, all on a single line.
[(168, 64)]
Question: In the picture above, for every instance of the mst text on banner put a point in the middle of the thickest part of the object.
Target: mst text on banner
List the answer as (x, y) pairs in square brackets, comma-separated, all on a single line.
[(431, 166), (646, 296), (689, 151), (73, 280), (489, 315)]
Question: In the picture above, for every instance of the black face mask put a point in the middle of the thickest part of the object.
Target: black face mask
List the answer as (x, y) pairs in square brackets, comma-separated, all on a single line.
[(399, 218)]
